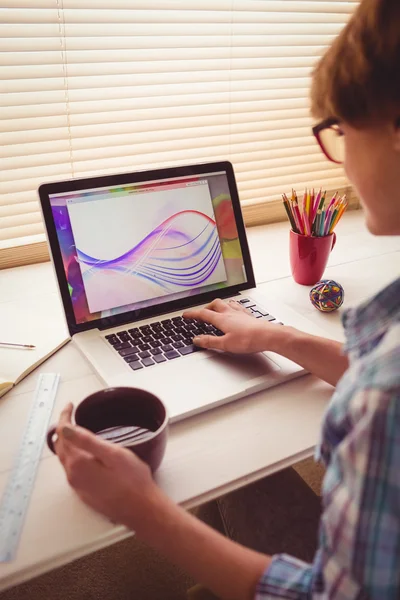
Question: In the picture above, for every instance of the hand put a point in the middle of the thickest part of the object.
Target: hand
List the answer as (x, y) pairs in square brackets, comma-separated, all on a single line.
[(244, 334), (108, 478)]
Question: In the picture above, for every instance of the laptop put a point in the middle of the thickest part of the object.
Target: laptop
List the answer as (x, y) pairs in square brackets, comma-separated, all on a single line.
[(131, 252)]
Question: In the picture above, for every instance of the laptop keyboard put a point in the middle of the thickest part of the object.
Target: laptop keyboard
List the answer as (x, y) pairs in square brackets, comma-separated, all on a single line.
[(168, 339)]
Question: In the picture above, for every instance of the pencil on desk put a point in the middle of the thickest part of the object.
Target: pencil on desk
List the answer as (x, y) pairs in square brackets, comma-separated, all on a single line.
[(9, 345)]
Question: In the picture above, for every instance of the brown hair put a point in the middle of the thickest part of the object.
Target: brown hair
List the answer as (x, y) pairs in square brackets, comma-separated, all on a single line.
[(358, 78)]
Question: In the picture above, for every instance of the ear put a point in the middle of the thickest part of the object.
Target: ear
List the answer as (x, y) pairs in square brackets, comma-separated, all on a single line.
[(396, 135)]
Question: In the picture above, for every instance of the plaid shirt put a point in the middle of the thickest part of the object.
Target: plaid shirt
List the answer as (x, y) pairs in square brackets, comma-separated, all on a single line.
[(359, 548)]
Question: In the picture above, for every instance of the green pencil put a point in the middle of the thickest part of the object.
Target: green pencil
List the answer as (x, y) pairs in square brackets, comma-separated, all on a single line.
[(316, 223), (335, 212), (321, 202), (322, 223)]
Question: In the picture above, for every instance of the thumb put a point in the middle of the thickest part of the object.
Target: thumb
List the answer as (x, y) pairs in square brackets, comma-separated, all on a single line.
[(209, 341), (87, 441)]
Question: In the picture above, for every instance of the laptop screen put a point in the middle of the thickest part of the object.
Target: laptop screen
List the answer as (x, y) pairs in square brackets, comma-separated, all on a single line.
[(137, 245)]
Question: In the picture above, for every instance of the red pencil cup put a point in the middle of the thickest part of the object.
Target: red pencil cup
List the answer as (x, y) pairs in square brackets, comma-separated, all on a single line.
[(309, 256)]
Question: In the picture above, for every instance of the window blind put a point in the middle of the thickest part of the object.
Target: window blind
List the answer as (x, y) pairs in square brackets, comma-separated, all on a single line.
[(103, 86)]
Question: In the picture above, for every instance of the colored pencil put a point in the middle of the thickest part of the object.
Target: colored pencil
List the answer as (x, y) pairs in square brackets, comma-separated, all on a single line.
[(338, 215), (335, 212), (295, 211), (316, 204), (289, 214), (311, 209), (331, 215), (322, 201), (303, 206), (299, 217), (328, 221), (333, 200), (316, 223), (306, 220), (290, 204), (296, 220), (312, 217), (322, 223), (339, 209)]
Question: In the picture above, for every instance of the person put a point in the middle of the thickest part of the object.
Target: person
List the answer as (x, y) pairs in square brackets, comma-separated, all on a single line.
[(356, 94)]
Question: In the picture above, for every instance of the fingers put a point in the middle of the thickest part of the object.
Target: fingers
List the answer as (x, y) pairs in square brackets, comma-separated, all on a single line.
[(79, 438), (65, 416), (205, 314), (65, 419), (235, 305), (209, 341), (78, 467), (213, 309), (218, 305)]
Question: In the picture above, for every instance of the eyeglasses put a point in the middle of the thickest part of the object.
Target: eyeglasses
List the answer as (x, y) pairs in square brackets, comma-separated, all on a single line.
[(330, 139)]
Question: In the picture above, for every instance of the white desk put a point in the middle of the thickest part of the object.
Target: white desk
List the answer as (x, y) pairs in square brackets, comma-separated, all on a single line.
[(225, 448)]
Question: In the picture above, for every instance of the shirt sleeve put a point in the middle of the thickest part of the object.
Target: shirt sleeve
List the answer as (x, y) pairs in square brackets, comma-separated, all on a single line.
[(359, 551), (286, 577)]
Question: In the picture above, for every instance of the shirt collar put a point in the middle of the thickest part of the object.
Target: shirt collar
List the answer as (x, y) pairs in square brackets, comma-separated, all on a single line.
[(366, 324)]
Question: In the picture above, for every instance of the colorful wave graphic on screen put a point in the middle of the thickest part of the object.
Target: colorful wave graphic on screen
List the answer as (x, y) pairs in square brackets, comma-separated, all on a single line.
[(182, 252)]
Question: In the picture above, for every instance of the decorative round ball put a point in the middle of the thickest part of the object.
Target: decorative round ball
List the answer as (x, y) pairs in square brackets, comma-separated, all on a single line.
[(327, 295)]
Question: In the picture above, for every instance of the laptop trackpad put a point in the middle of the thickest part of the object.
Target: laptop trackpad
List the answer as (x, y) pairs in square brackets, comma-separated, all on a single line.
[(189, 386), (220, 374), (242, 367)]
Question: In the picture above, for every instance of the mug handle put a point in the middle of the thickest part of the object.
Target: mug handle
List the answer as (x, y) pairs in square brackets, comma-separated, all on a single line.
[(334, 240), (50, 435)]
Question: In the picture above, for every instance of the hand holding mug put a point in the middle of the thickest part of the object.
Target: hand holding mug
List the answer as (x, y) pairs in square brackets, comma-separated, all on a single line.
[(107, 477), (129, 417)]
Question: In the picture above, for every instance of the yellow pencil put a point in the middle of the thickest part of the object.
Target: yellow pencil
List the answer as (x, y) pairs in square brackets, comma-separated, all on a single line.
[(306, 212)]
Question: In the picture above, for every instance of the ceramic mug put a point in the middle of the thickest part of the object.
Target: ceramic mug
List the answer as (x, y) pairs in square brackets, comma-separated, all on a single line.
[(129, 417), (309, 256)]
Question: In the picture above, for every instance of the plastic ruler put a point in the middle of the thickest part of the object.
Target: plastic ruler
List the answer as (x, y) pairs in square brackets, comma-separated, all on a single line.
[(19, 487)]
